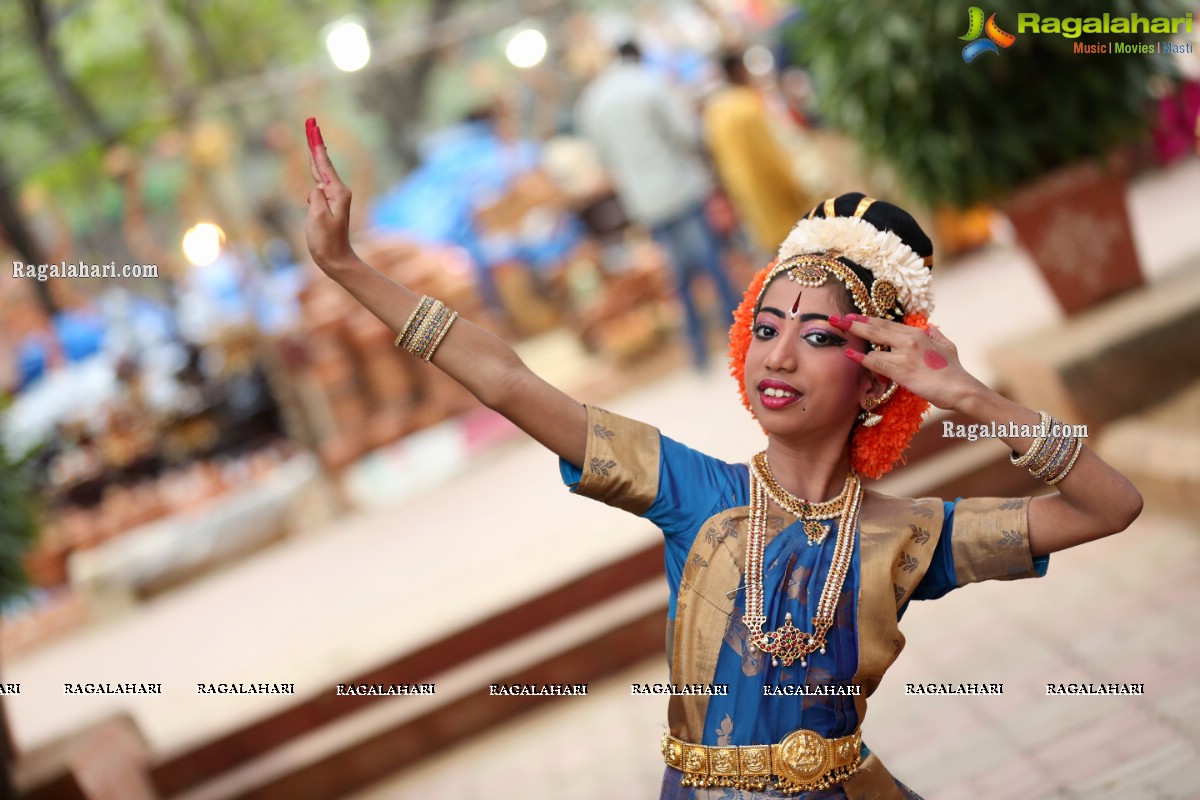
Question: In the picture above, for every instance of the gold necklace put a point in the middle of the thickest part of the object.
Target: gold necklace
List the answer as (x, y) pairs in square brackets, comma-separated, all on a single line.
[(810, 513), (787, 642)]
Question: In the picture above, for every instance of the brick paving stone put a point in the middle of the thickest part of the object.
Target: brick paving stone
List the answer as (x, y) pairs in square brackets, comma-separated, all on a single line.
[(1011, 779), (954, 762), (939, 724), (1122, 735), (1178, 704), (1171, 772)]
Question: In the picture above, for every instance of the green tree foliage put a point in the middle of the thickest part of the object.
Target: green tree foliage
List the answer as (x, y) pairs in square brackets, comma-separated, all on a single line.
[(146, 66), (891, 75), (19, 523)]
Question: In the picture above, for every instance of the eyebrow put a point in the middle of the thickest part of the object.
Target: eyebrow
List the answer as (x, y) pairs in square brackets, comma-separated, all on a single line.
[(803, 317)]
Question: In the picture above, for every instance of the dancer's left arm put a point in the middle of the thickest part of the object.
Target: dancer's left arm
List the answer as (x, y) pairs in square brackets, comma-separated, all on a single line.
[(1092, 502)]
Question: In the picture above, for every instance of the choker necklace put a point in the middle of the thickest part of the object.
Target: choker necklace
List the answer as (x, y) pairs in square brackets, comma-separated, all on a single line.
[(810, 513), (787, 643)]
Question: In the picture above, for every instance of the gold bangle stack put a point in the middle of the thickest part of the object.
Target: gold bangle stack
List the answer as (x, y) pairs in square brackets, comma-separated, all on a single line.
[(1053, 453), (425, 328)]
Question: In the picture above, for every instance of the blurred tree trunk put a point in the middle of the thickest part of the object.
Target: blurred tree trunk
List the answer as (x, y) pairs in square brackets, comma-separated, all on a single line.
[(207, 53), (404, 92), (41, 29), (18, 234), (215, 74)]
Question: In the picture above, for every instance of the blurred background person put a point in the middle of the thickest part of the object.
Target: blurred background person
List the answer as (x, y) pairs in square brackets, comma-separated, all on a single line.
[(753, 167), (650, 143)]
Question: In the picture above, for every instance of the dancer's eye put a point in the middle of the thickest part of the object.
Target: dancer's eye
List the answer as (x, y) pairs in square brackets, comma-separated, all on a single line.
[(764, 331), (824, 339)]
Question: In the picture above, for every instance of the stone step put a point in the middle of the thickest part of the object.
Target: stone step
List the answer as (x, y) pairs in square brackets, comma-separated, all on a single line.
[(458, 649), (353, 751), (1159, 451)]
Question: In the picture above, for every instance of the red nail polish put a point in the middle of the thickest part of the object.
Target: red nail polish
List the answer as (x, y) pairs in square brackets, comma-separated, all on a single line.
[(856, 317), (309, 125), (854, 356), (839, 322), (318, 141)]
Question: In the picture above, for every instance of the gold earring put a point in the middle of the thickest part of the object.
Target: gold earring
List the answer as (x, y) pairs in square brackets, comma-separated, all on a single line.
[(870, 418)]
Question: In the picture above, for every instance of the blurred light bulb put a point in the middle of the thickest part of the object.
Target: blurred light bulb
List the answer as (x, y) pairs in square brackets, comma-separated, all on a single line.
[(758, 60), (202, 243), (348, 45), (526, 48)]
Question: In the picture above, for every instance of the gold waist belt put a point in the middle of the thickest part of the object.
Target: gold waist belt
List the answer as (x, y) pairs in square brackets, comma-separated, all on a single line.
[(804, 761)]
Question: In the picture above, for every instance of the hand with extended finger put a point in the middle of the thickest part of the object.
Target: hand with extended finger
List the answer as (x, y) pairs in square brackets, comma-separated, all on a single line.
[(327, 225), (923, 361)]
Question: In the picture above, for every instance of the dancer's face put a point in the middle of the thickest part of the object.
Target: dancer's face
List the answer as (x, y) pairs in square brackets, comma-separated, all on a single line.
[(798, 378)]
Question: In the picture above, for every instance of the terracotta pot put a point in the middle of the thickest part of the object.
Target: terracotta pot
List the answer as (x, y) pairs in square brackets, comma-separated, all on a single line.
[(1075, 225)]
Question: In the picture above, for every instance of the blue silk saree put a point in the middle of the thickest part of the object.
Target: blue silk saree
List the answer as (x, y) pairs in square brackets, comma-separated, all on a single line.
[(904, 550)]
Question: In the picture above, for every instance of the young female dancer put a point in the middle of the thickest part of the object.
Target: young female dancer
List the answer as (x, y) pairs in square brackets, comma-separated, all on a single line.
[(785, 571)]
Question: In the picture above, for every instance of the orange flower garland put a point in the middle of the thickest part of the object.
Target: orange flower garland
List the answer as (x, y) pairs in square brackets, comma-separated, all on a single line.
[(873, 451)]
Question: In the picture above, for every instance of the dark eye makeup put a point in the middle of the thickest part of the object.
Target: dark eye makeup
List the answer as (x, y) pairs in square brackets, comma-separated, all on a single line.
[(815, 338), (765, 331), (824, 339)]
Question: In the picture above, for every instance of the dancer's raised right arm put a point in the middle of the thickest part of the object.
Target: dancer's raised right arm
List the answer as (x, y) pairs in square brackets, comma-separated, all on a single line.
[(479, 360)]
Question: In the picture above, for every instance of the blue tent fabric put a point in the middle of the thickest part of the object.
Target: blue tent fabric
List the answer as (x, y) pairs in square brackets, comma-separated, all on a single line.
[(464, 169)]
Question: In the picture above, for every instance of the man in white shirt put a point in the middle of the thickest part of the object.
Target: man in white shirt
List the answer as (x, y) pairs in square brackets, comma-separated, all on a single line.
[(650, 144)]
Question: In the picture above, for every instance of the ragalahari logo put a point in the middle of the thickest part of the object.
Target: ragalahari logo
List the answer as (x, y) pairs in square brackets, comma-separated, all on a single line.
[(996, 38)]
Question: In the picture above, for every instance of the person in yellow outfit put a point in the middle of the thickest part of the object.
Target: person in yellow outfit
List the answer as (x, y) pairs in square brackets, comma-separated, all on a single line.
[(753, 166)]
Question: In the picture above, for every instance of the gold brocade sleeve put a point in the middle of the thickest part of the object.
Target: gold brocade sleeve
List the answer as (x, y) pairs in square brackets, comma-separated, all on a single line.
[(990, 540), (620, 467), (897, 540), (702, 615)]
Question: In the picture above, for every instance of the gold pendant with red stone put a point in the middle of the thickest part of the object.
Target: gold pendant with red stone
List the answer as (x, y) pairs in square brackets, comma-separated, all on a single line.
[(786, 643)]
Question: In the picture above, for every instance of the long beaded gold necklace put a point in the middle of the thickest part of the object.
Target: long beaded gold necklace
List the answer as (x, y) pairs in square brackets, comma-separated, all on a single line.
[(788, 643), (811, 513)]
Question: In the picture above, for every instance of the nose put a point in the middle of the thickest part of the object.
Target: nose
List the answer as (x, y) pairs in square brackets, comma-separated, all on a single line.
[(782, 353)]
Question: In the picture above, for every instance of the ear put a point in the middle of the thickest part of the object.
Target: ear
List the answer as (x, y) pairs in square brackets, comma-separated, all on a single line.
[(872, 386)]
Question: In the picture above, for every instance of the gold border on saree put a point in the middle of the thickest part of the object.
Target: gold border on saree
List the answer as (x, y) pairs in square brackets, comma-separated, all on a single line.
[(803, 761)]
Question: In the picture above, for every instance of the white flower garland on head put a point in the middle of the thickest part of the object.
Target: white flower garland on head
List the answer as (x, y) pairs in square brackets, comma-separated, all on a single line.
[(882, 252)]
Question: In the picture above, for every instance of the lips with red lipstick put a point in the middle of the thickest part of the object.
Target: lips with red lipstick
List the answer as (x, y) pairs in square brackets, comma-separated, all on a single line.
[(775, 394)]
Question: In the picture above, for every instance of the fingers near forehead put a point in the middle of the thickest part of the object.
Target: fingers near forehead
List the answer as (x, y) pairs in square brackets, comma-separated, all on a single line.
[(880, 331)]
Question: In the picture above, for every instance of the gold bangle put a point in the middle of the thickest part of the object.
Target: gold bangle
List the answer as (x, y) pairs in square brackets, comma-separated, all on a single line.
[(426, 327), (1070, 464), (418, 313), (1035, 448), (1049, 451), (441, 335), (429, 332), (425, 333), (1056, 450), (1054, 462)]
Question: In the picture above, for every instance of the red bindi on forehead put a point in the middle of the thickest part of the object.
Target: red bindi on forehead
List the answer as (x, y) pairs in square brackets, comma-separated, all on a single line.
[(796, 305)]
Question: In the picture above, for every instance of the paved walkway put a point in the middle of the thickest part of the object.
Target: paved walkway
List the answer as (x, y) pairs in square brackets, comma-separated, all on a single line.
[(334, 602)]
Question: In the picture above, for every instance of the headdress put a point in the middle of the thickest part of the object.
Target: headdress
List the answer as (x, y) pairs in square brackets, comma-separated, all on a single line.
[(883, 258)]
